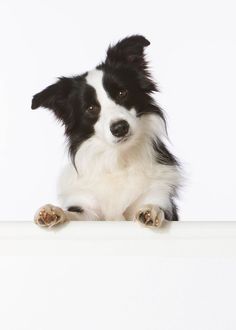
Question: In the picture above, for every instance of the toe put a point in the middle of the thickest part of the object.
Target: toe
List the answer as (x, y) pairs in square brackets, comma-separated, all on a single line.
[(49, 216), (159, 218), (150, 216)]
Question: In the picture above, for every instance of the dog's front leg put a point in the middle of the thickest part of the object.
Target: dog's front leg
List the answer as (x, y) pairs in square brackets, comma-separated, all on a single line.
[(50, 216), (152, 208), (150, 215)]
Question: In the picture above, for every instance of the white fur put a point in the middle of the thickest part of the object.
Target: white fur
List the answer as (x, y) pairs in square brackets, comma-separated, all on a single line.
[(115, 179)]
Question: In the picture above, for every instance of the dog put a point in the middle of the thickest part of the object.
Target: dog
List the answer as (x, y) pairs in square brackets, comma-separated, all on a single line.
[(120, 167)]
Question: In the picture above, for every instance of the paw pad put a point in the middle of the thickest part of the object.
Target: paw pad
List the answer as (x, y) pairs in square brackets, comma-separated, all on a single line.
[(49, 216), (150, 216)]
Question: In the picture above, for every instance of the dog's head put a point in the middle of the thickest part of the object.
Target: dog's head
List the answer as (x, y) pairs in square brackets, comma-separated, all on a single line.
[(108, 102)]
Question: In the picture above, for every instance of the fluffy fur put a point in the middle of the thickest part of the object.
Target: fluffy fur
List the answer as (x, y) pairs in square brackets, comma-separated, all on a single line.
[(116, 133)]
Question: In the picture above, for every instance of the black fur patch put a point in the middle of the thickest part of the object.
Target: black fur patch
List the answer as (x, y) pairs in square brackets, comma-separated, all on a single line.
[(75, 209), (69, 99), (172, 214), (129, 51), (175, 216), (163, 155)]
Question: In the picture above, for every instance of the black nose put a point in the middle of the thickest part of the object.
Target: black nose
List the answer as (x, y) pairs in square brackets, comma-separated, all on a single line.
[(119, 128)]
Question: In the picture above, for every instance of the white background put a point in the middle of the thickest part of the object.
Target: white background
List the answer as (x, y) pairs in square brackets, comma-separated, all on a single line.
[(192, 54)]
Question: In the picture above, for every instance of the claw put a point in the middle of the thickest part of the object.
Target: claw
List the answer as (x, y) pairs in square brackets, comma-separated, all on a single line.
[(150, 216)]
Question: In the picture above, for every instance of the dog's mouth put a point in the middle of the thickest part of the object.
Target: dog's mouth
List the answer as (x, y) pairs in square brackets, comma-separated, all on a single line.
[(124, 138)]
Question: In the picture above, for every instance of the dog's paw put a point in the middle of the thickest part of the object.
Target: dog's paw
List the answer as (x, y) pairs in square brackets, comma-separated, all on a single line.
[(49, 216), (150, 216)]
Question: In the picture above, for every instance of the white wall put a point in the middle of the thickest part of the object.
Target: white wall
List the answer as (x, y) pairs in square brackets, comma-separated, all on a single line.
[(117, 293), (192, 53), (115, 275)]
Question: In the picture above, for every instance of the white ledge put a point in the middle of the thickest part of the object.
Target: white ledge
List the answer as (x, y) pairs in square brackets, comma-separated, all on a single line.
[(175, 239)]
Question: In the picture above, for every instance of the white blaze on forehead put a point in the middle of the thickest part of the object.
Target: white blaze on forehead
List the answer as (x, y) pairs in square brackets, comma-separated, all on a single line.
[(110, 110), (94, 79)]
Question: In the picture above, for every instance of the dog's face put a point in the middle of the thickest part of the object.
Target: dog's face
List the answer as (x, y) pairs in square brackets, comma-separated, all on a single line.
[(108, 102)]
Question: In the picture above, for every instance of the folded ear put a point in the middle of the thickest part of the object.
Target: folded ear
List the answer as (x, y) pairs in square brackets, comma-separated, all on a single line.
[(128, 51), (54, 97)]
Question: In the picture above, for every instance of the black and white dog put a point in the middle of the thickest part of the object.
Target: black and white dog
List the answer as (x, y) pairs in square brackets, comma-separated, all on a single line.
[(120, 168)]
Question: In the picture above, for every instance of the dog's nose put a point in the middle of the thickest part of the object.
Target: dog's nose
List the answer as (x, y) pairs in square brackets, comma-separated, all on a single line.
[(119, 128)]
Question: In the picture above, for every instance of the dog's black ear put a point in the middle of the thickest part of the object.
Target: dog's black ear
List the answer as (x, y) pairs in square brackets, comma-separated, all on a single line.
[(54, 97), (128, 51)]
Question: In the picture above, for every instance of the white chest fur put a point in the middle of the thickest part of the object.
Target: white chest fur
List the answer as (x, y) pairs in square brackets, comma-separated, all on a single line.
[(112, 180)]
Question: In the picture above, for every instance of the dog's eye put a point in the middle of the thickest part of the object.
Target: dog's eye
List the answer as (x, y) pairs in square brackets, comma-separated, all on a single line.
[(122, 94), (93, 109)]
